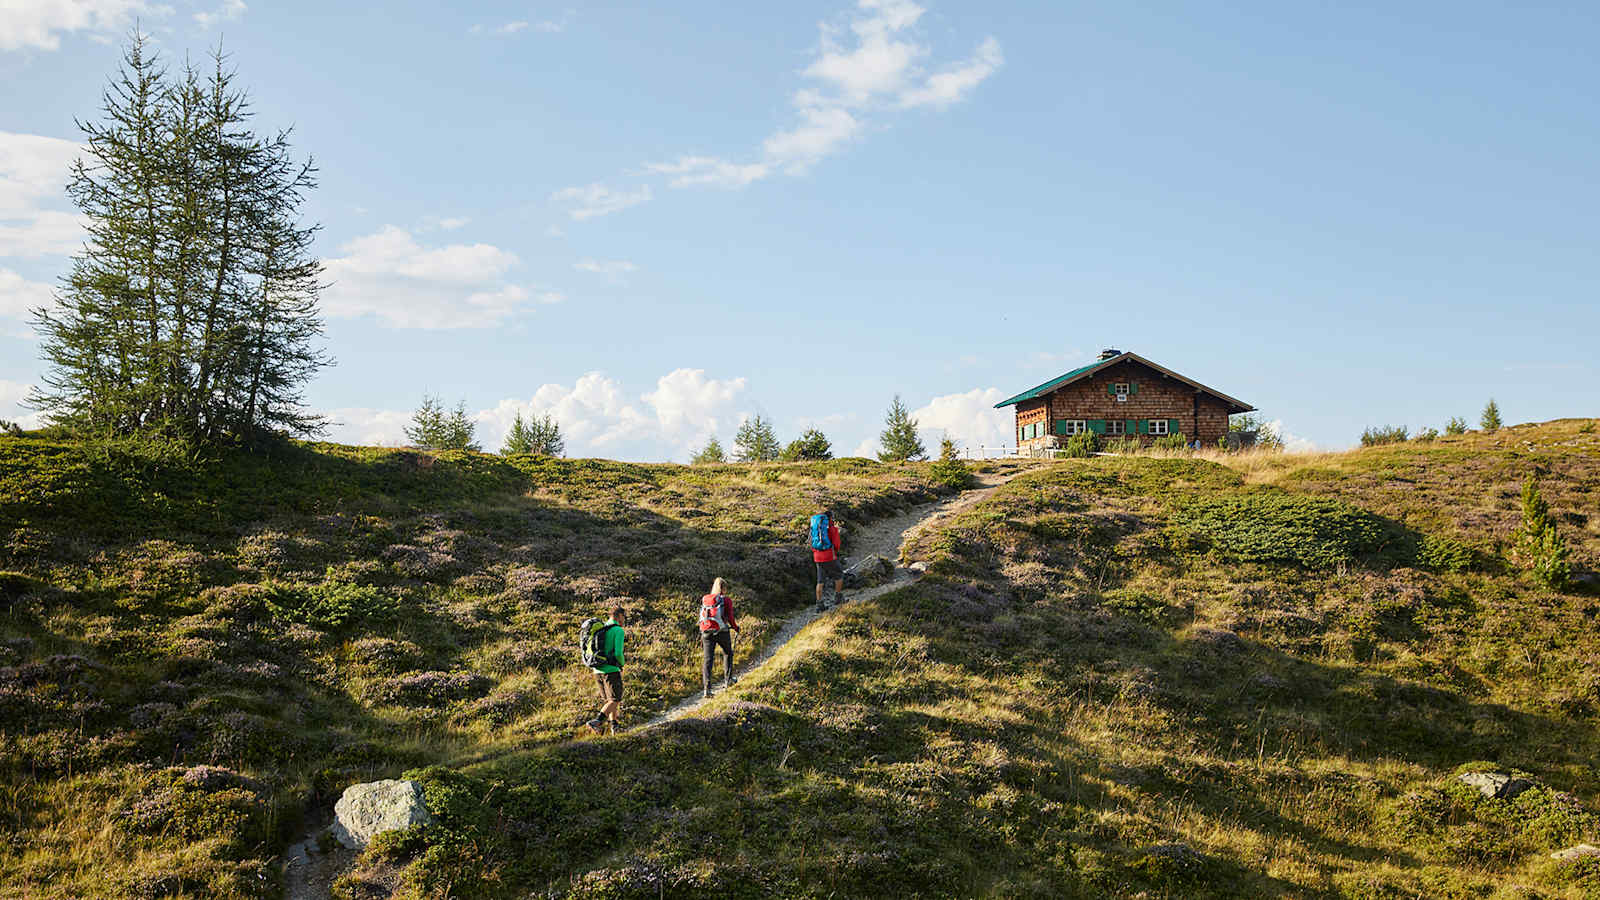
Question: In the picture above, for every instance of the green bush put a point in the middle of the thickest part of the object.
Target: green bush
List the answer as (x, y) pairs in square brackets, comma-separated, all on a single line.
[(1444, 554), (1083, 445), (1171, 442), (1386, 434), (1268, 526), (330, 605), (949, 470), (1427, 434), (1539, 544), (1456, 425)]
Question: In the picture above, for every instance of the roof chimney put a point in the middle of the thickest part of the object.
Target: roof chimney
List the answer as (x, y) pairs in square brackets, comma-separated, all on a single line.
[(1109, 352)]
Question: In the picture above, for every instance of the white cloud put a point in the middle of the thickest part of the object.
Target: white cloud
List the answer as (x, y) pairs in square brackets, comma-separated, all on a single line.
[(452, 223), (597, 416), (389, 275), (598, 199), (368, 427), (19, 297), (873, 64), (12, 393), (39, 24), (228, 11), (709, 170), (1292, 442), (970, 419), (615, 270), (33, 177), (547, 26), (956, 82)]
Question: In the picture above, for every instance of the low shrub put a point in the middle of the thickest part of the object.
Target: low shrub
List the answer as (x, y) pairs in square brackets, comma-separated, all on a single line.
[(1444, 554), (1171, 442), (330, 605), (1267, 526), (1386, 434), (1427, 435), (1083, 445), (1456, 425)]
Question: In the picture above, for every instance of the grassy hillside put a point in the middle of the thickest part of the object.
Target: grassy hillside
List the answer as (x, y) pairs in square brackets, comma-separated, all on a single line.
[(191, 655), (1106, 688), (1246, 676)]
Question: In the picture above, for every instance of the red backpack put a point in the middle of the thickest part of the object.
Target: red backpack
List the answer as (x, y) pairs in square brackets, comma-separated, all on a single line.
[(713, 613)]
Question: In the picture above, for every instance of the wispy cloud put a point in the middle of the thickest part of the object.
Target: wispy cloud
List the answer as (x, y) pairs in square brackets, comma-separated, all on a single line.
[(613, 269), (598, 199), (392, 277), (227, 12), (862, 70), (545, 26)]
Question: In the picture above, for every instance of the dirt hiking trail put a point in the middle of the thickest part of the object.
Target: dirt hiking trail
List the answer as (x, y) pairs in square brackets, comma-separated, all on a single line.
[(308, 874)]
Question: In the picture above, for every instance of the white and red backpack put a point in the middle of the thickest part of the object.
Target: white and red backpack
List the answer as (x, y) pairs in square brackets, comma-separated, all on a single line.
[(713, 613)]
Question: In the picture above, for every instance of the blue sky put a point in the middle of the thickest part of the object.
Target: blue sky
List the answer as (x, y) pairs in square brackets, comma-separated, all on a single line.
[(652, 222)]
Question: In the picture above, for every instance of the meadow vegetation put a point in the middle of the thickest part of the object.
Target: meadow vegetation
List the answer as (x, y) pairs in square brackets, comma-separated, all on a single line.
[(1180, 675), (306, 618)]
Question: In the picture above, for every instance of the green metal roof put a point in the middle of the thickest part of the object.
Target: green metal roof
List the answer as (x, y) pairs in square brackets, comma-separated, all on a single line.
[(1235, 405), (1054, 383)]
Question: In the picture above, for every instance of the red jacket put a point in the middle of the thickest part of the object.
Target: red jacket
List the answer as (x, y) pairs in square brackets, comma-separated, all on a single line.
[(727, 611), (832, 552)]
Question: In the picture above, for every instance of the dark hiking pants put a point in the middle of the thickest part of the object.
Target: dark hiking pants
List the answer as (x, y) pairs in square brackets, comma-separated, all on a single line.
[(710, 641)]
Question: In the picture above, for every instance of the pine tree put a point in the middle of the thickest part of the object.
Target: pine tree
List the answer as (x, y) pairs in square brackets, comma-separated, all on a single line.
[(192, 309), (544, 436), (950, 469), (811, 444), (433, 428), (755, 441), (1490, 421), (900, 441), (1458, 425), (710, 453), (539, 436)]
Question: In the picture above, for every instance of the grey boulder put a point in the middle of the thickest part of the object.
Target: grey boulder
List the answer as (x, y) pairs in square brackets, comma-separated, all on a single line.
[(1496, 785), (870, 570), (369, 809), (1573, 854)]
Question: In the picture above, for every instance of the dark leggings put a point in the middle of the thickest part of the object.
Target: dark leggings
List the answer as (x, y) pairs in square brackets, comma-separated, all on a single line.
[(711, 640)]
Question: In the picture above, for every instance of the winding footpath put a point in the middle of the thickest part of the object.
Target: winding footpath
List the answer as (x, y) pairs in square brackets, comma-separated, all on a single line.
[(309, 874)]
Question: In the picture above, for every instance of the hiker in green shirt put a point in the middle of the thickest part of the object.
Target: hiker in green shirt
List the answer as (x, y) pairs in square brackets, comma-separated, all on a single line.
[(608, 675)]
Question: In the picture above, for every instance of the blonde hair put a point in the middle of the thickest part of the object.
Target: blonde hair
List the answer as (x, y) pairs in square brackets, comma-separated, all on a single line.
[(716, 587)]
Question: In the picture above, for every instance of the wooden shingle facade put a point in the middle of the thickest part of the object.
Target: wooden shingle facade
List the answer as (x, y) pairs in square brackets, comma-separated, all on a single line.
[(1121, 394)]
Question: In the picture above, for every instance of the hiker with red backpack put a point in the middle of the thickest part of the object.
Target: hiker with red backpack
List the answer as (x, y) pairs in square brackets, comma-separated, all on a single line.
[(825, 550), (717, 626)]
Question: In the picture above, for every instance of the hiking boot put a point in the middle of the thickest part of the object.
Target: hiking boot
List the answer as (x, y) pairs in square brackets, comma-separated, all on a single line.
[(595, 725), (706, 695)]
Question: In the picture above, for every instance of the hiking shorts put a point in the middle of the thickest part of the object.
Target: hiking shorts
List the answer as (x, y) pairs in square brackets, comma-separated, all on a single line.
[(610, 685), (829, 571)]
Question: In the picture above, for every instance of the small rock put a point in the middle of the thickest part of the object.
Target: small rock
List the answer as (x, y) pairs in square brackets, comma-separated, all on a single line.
[(1496, 785), (870, 570), (1572, 854), (369, 809), (1217, 639), (917, 568)]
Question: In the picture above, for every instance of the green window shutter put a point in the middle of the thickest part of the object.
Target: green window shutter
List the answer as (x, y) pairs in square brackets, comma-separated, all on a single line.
[(1098, 426), (1131, 427), (1111, 388), (1144, 426), (1133, 388), (1173, 427)]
